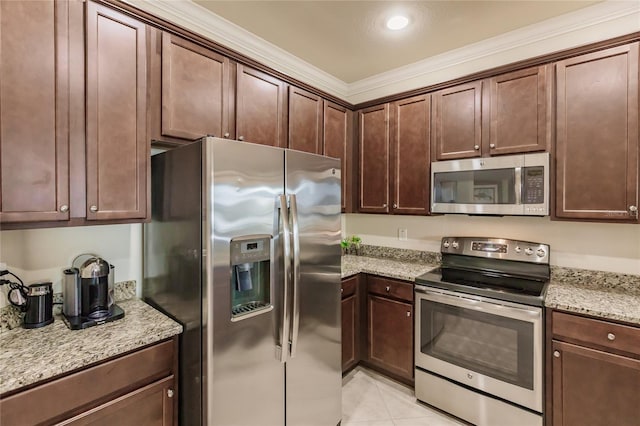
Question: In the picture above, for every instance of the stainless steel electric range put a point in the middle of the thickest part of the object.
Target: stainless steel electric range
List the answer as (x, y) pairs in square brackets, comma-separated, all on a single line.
[(479, 331)]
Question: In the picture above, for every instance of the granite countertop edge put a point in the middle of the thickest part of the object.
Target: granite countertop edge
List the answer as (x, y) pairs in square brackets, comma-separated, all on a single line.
[(22, 362)]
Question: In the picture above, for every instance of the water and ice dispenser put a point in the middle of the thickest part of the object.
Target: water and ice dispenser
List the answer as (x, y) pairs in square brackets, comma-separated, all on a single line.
[(250, 276)]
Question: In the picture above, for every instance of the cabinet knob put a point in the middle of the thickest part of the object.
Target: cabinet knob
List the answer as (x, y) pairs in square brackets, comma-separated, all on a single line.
[(476, 147), (395, 206), (93, 208), (634, 211), (492, 145), (64, 208), (556, 354), (384, 206), (469, 376), (408, 313), (342, 290), (226, 135), (240, 138), (611, 336), (170, 393), (388, 289)]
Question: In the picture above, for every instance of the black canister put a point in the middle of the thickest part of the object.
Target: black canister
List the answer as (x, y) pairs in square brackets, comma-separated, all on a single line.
[(39, 306)]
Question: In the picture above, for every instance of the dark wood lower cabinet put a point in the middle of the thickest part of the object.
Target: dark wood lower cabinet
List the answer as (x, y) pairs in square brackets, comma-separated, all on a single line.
[(350, 323), (151, 405), (390, 327), (594, 372)]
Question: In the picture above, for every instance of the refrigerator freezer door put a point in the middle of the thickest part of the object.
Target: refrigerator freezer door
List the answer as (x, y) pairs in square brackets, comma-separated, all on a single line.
[(313, 372), (244, 377)]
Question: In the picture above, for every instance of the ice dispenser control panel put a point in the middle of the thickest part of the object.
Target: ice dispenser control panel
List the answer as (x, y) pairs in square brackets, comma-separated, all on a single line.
[(250, 276)]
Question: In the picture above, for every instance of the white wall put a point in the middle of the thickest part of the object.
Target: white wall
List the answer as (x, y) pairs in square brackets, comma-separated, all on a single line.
[(42, 254), (596, 246)]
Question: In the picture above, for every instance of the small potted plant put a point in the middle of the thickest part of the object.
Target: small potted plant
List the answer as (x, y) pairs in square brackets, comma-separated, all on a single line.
[(351, 245)]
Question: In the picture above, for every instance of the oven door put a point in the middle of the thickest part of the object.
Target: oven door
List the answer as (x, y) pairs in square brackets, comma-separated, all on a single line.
[(483, 343)]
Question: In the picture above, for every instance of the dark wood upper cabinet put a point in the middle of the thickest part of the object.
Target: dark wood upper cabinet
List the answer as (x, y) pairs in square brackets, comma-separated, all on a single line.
[(192, 98), (305, 121), (117, 146), (520, 111), (373, 134), (597, 136), (337, 143), (260, 108), (457, 129), (34, 111), (506, 114), (410, 153)]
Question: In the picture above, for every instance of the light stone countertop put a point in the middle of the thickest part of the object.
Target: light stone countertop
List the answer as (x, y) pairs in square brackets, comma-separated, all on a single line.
[(390, 268), (30, 356)]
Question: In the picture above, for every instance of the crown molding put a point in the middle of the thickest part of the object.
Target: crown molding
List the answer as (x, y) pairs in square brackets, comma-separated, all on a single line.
[(202, 21), (599, 22)]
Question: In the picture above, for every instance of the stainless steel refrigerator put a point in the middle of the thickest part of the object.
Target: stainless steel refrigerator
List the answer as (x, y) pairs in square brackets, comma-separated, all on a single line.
[(243, 250)]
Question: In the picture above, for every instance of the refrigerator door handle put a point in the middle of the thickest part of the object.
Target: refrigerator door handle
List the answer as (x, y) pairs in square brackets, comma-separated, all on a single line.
[(296, 273), (283, 346)]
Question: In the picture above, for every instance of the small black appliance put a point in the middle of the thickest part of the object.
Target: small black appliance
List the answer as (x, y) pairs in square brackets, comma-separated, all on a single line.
[(39, 305), (88, 293)]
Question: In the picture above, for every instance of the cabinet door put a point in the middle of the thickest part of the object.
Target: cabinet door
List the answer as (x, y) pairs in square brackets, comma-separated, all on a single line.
[(34, 111), (305, 121), (410, 136), (117, 147), (593, 388), (519, 117), (349, 312), (259, 108), (597, 135), (337, 140), (374, 159), (152, 405), (194, 90), (457, 121), (390, 335)]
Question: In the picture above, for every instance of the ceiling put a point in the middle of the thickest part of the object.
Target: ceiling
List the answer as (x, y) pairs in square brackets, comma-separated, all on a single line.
[(349, 40)]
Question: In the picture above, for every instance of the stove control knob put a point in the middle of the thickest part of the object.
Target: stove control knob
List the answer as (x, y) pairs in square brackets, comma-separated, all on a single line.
[(455, 244), (445, 244), (518, 249), (540, 252), (528, 251)]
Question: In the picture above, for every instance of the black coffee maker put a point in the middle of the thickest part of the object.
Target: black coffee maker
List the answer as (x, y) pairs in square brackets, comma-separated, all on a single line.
[(88, 293)]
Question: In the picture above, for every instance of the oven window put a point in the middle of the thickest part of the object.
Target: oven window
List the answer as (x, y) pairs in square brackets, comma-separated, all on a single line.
[(494, 186), (488, 344)]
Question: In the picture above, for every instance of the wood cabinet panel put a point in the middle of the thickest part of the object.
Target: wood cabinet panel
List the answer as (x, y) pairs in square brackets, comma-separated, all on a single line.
[(337, 143), (349, 312), (520, 112), (410, 153), (457, 121), (596, 333), (69, 395), (34, 111), (593, 388), (259, 108), (597, 161), (117, 147), (151, 405), (305, 121), (194, 90), (390, 288), (374, 159), (390, 335)]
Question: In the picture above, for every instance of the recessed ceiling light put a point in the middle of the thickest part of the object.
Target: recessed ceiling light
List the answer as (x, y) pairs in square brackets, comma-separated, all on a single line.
[(397, 22)]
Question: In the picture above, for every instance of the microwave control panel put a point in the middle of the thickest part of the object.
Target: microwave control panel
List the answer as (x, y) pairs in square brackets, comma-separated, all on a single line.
[(533, 185)]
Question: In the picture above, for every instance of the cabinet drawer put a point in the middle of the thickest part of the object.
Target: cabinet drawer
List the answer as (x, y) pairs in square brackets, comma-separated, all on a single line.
[(391, 288), (83, 390), (349, 287), (596, 332)]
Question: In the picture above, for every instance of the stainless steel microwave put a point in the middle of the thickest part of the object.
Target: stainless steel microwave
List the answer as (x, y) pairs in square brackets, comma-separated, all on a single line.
[(506, 185)]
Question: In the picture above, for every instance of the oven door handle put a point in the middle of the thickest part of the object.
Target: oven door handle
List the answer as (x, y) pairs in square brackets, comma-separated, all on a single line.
[(480, 304)]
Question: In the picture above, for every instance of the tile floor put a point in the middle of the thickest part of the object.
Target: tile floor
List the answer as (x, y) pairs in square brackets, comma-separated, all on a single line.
[(370, 399)]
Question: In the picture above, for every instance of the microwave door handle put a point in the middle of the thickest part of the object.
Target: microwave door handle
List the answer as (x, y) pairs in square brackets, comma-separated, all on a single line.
[(518, 185)]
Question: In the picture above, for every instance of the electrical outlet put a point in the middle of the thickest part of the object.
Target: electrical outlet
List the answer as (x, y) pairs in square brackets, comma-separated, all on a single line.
[(402, 234)]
